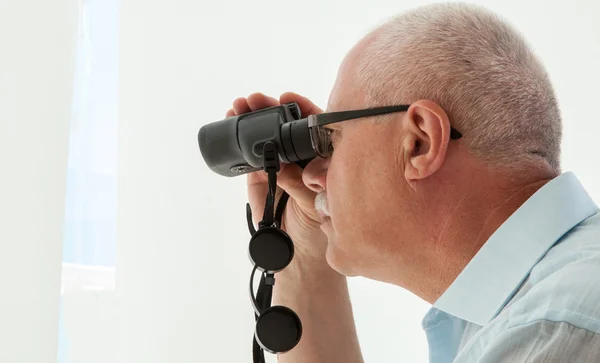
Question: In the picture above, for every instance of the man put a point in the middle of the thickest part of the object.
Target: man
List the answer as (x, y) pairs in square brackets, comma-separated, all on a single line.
[(485, 226)]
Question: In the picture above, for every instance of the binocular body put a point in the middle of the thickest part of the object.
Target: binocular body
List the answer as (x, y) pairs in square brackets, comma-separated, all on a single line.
[(234, 146)]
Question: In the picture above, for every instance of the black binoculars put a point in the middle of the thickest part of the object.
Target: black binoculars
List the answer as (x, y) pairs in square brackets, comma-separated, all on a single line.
[(234, 146)]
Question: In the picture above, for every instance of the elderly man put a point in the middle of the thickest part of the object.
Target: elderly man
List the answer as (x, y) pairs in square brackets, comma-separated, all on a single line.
[(459, 199)]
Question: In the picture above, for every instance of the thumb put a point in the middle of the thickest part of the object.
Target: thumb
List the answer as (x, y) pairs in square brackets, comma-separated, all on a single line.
[(290, 180)]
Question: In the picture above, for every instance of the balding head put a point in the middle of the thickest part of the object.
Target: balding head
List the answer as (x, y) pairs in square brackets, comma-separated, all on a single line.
[(408, 204), (478, 69)]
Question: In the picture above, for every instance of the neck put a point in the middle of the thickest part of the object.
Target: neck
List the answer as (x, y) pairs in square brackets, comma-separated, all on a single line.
[(467, 223)]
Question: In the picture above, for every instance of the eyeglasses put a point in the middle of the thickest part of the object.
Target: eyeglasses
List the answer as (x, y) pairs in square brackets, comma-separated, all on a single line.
[(321, 136)]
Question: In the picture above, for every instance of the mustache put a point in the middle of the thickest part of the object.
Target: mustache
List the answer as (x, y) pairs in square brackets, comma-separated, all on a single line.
[(321, 203)]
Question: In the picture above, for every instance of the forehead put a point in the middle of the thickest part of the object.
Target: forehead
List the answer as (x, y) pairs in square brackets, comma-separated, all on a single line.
[(346, 93), (343, 97)]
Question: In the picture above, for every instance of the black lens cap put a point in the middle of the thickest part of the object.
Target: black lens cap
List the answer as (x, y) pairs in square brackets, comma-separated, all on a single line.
[(278, 329), (271, 249)]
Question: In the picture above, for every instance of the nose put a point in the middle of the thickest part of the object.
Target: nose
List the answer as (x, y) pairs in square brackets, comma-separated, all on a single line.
[(315, 174)]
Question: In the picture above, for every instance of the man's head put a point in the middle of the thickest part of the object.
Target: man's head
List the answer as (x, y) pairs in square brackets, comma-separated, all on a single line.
[(396, 187)]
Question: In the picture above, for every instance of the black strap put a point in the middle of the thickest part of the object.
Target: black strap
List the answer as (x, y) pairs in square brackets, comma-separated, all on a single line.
[(278, 214), (265, 290), (280, 208), (268, 216), (249, 219), (263, 299), (258, 355)]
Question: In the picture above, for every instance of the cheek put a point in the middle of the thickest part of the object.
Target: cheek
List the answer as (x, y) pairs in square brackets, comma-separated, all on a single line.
[(349, 188), (340, 191), (363, 191)]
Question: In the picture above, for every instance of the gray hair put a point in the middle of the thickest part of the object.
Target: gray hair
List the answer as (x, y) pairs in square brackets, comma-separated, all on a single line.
[(478, 69)]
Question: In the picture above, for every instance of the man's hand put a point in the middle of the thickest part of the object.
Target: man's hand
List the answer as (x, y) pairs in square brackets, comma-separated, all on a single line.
[(308, 285), (300, 219)]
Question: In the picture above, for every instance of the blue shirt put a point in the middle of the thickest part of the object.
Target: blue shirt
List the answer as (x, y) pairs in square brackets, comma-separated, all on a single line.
[(532, 292)]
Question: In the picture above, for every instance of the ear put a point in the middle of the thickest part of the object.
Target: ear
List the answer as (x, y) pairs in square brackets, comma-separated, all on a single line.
[(427, 135)]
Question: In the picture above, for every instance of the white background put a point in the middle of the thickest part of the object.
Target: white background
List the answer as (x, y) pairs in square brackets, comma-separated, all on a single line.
[(37, 59), (181, 261)]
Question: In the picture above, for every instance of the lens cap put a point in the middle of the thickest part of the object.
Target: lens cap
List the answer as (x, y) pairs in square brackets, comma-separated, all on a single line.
[(278, 329), (271, 249)]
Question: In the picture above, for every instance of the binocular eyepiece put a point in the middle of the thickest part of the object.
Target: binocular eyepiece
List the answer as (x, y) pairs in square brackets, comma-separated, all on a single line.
[(234, 146)]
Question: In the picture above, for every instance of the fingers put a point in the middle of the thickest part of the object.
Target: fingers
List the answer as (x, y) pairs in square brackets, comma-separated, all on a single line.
[(306, 105), (240, 106), (290, 180), (255, 101), (290, 176), (258, 101)]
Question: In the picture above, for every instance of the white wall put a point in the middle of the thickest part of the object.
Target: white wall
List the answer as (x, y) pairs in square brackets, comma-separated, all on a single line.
[(36, 74), (89, 314), (182, 267)]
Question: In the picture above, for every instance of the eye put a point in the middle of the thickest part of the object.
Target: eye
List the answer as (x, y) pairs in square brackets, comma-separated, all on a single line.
[(333, 136)]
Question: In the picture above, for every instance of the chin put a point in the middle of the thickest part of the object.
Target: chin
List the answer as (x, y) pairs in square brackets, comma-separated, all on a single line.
[(338, 261)]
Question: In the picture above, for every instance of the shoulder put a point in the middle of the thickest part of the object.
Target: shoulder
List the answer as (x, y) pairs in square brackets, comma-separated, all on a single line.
[(564, 286), (556, 311)]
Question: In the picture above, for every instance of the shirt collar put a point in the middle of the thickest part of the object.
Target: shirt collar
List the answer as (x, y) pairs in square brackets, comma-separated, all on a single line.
[(497, 270)]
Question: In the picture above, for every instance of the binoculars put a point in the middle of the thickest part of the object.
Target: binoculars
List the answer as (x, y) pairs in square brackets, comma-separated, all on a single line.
[(234, 146)]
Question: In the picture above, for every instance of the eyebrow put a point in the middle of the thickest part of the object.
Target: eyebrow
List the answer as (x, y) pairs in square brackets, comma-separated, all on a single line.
[(335, 126)]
